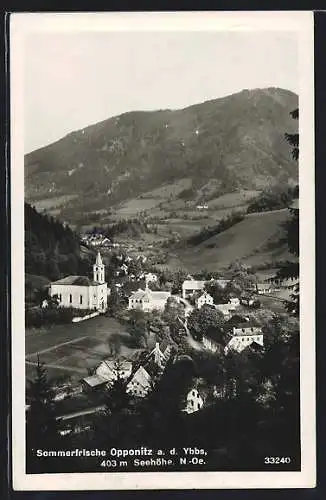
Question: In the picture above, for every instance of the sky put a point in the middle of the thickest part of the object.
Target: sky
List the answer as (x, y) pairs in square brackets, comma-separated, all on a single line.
[(72, 80)]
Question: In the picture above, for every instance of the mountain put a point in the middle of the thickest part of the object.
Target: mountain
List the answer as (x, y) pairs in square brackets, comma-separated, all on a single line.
[(220, 146)]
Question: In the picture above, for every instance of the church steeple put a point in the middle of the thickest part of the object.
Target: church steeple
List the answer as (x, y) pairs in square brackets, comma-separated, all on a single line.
[(99, 269)]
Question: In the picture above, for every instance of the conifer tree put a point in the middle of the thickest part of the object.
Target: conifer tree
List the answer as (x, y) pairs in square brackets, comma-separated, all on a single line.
[(42, 428)]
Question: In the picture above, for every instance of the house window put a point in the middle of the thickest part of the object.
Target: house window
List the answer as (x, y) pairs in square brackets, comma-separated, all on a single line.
[(193, 393), (243, 330), (81, 299), (60, 297), (198, 406), (252, 329), (70, 298)]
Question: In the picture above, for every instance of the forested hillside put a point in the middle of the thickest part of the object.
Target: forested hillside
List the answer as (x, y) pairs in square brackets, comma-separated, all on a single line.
[(52, 249)]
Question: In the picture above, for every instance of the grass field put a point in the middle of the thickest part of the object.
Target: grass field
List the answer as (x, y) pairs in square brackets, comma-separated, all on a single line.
[(247, 241), (52, 203), (72, 349)]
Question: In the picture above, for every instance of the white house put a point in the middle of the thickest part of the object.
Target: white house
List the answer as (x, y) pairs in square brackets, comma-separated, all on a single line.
[(234, 301), (222, 282), (264, 288), (81, 292), (140, 384), (226, 309), (194, 401), (203, 299), (189, 287), (148, 300), (211, 344), (151, 277), (108, 371), (244, 335)]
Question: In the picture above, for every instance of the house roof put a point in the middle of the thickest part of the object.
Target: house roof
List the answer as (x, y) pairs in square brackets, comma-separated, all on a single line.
[(94, 380), (113, 365), (204, 294), (193, 284), (75, 281), (248, 324), (142, 377), (140, 294)]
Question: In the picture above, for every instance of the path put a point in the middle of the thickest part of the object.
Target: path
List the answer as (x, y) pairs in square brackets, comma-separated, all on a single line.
[(78, 339), (58, 367), (194, 344), (75, 414)]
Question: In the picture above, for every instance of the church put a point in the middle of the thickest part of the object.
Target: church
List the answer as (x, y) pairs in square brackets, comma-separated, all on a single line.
[(81, 292)]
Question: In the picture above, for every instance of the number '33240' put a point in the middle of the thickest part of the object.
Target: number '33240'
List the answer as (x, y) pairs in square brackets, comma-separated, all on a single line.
[(277, 460)]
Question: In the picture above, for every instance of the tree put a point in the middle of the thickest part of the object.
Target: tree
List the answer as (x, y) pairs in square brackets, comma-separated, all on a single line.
[(113, 425), (114, 343), (291, 269), (42, 428), (205, 319)]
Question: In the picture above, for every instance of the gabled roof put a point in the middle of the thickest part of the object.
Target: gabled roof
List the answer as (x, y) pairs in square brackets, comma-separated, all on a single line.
[(248, 324), (75, 281), (150, 294), (94, 380), (193, 284), (142, 377)]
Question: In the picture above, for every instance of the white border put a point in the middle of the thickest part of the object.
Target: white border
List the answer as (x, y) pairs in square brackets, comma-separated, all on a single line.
[(299, 22)]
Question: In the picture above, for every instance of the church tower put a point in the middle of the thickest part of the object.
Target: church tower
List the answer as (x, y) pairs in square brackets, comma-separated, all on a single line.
[(98, 269)]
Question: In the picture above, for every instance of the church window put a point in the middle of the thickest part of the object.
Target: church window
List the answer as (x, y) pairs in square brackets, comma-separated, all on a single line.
[(60, 297), (70, 298), (81, 299), (198, 406)]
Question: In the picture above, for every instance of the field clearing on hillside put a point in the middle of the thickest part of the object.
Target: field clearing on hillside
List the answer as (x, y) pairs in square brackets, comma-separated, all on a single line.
[(164, 192), (53, 203), (233, 200), (240, 242), (136, 205)]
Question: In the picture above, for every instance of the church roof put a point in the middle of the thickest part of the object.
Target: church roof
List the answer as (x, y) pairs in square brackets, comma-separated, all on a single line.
[(75, 280), (98, 261)]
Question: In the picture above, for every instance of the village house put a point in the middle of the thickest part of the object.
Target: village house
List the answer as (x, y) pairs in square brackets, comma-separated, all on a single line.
[(108, 371), (140, 383), (151, 277), (80, 292), (148, 300), (189, 287), (243, 335), (203, 299), (194, 401), (247, 301), (222, 282), (264, 288), (234, 301), (211, 342), (226, 309)]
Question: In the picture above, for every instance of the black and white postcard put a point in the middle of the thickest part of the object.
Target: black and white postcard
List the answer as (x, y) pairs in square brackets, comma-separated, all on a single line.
[(162, 222)]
